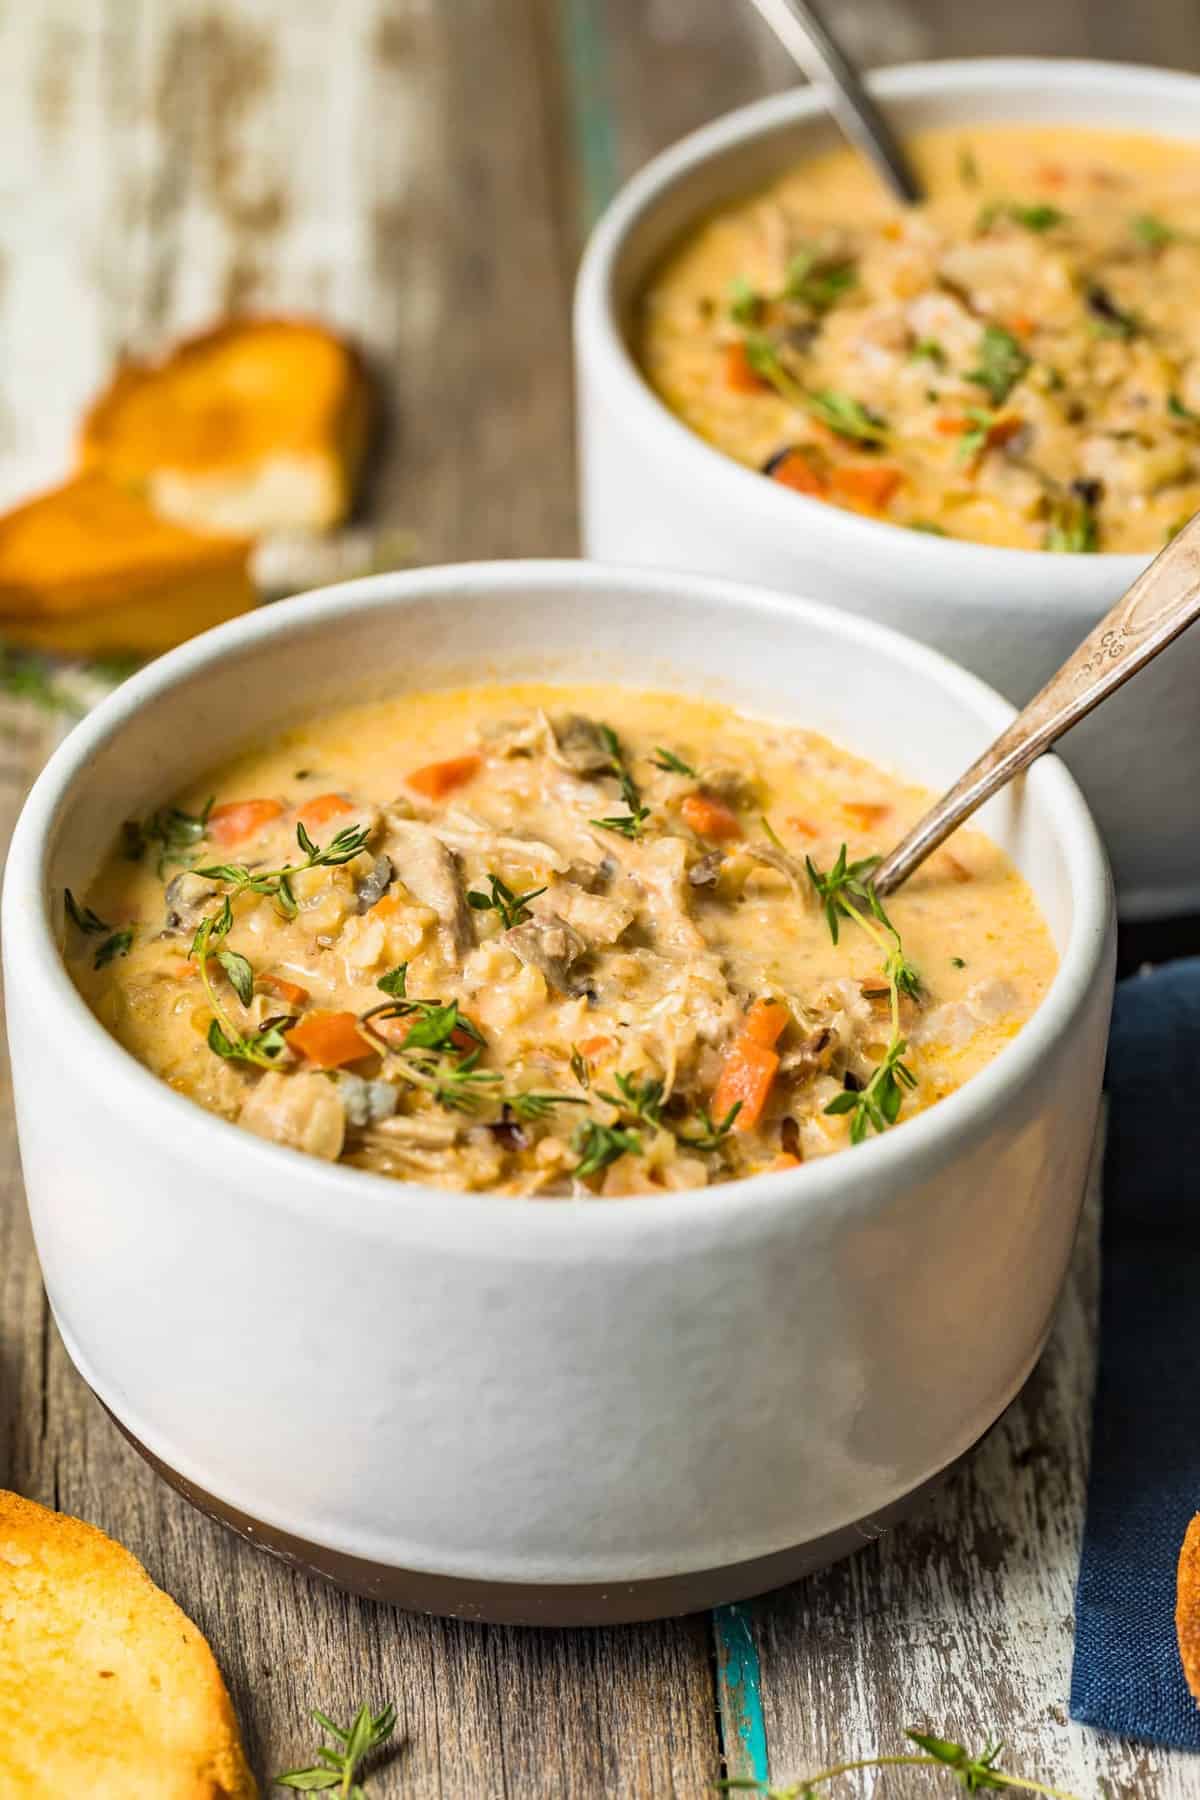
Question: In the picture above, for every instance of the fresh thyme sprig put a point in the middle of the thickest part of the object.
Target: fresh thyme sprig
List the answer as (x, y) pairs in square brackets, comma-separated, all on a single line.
[(529, 1105), (599, 1145), (261, 1048), (644, 1099), (171, 829), (845, 416), (629, 825), (847, 891), (512, 908), (277, 883), (118, 942), (1003, 361), (436, 1054), (338, 1764), (972, 1771), (711, 1136)]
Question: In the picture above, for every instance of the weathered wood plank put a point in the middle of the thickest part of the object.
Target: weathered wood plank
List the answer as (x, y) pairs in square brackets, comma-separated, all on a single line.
[(961, 1621)]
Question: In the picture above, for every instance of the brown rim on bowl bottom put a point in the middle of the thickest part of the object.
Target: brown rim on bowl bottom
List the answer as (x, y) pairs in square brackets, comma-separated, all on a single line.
[(550, 1604)]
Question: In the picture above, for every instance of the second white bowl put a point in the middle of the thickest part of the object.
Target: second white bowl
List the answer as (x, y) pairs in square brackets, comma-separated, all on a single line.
[(653, 492)]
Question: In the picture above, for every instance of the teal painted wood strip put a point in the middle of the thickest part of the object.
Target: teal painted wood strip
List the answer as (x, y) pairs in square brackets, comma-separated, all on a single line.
[(739, 1693), (589, 89)]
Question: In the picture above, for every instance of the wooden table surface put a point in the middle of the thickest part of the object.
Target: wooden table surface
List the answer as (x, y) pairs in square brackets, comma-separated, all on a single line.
[(423, 172)]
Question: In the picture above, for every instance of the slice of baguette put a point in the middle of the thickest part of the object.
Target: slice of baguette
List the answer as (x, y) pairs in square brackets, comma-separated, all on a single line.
[(258, 425), (1187, 1606), (89, 568), (106, 1688)]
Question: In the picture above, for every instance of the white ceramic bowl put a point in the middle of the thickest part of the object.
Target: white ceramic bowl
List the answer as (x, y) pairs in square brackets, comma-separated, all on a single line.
[(568, 1411), (655, 493)]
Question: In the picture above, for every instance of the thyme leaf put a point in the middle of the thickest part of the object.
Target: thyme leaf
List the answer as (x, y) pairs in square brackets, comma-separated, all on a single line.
[(512, 908), (119, 944), (1002, 363), (674, 765), (82, 917), (711, 1136), (643, 1099), (599, 1145), (1073, 525), (846, 416), (170, 830), (529, 1105), (241, 975)]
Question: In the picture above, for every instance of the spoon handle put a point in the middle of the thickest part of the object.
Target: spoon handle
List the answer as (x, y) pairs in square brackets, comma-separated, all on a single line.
[(807, 40), (1162, 603)]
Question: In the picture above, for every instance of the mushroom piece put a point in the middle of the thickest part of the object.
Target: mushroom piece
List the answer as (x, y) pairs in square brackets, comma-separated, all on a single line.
[(582, 745), (430, 873), (186, 896), (376, 884), (548, 943)]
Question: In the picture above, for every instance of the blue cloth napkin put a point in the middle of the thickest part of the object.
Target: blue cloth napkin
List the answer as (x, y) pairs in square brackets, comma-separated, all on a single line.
[(1144, 1484)]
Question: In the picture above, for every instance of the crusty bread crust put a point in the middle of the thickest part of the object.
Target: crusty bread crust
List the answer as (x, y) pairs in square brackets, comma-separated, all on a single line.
[(259, 424), (1187, 1606), (89, 567), (107, 1689)]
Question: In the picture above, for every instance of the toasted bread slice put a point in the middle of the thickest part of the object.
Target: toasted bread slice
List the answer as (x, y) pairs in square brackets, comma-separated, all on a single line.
[(106, 1688), (89, 568), (258, 425), (1187, 1606)]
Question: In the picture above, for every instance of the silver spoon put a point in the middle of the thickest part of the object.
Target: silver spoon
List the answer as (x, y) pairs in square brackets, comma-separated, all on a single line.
[(807, 40), (1162, 603)]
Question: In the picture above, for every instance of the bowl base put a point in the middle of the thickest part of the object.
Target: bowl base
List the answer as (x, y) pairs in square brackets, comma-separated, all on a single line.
[(548, 1603)]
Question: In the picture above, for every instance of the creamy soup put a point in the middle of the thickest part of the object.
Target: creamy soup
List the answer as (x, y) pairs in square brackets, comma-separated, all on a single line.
[(1015, 361), (552, 942)]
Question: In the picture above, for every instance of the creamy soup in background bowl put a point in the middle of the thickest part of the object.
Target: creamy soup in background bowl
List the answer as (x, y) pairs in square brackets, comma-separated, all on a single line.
[(970, 421), (524, 1374)]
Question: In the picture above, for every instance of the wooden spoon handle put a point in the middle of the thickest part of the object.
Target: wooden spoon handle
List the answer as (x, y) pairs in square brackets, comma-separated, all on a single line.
[(1163, 601)]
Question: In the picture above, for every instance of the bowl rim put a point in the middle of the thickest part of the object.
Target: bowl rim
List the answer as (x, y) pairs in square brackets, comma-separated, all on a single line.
[(366, 1202), (599, 337)]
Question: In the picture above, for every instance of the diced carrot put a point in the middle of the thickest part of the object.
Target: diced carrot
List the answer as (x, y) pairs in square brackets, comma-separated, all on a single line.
[(803, 827), (387, 907), (237, 820), (282, 989), (870, 484), (783, 1161), (320, 809), (178, 969), (951, 425), (709, 817), (796, 470), (1021, 325), (765, 1023), (1051, 175), (435, 780), (596, 1046), (740, 374), (865, 815), (329, 1039), (745, 1079)]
